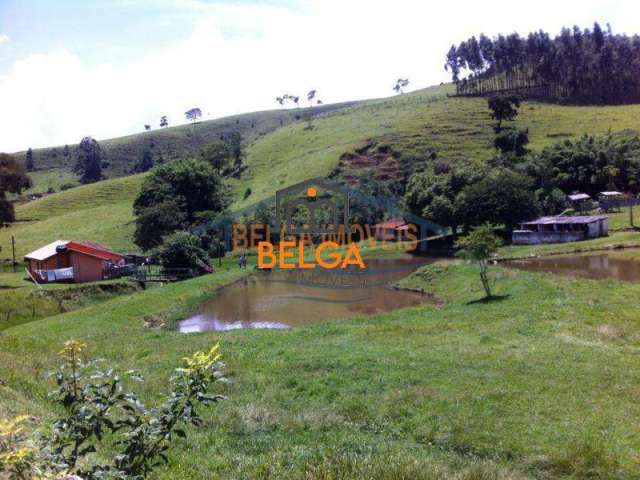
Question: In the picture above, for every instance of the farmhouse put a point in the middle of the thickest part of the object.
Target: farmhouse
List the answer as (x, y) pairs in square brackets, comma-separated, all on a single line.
[(560, 229), (70, 261)]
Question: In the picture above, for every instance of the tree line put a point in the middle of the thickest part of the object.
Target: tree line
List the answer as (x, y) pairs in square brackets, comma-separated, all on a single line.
[(590, 66)]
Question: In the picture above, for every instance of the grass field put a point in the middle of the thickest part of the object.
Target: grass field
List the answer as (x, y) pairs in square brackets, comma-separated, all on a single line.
[(525, 387), (542, 383)]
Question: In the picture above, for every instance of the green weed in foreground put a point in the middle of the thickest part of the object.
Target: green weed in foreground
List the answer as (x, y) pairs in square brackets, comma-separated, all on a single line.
[(529, 386)]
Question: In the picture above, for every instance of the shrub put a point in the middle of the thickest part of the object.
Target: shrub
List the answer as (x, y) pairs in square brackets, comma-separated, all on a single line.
[(183, 250), (95, 405)]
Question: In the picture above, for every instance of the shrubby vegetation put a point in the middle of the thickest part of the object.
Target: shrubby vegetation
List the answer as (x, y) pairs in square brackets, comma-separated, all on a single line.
[(519, 184), (174, 197), (184, 250), (100, 418), (13, 179), (584, 66)]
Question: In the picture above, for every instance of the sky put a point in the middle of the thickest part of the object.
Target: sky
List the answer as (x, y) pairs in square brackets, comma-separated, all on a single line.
[(72, 68)]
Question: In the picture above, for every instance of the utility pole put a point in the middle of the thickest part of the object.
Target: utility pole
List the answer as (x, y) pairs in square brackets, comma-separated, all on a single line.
[(13, 251)]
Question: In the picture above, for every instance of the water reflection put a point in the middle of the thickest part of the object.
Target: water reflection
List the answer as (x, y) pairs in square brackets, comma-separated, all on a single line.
[(599, 267), (282, 300)]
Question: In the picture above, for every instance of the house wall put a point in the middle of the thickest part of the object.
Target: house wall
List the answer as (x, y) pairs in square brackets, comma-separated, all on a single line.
[(86, 268), (60, 260), (528, 237)]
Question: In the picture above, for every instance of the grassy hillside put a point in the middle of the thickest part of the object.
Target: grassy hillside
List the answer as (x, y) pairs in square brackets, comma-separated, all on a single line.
[(479, 390), (100, 212), (349, 139), (53, 168)]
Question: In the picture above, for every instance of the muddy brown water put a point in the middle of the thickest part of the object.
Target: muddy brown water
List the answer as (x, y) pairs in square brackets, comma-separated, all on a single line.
[(280, 300), (601, 266)]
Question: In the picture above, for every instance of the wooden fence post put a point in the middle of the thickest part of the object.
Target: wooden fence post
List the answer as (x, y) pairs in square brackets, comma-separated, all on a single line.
[(13, 251)]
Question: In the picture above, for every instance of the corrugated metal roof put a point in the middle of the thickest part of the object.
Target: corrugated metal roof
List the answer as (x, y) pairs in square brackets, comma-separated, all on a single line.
[(610, 194), (578, 220), (91, 249), (579, 196), (47, 251)]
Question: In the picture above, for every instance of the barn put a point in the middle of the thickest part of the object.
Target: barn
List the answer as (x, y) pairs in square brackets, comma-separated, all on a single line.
[(560, 229), (71, 261)]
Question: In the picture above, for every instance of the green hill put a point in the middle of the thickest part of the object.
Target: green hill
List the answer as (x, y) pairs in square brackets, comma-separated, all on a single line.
[(53, 168), (378, 134)]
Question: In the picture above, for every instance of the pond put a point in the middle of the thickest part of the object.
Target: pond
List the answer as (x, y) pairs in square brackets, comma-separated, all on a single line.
[(286, 299), (601, 266)]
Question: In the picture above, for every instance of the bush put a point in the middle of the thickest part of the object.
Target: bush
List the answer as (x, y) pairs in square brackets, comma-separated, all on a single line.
[(95, 405), (184, 250), (174, 196)]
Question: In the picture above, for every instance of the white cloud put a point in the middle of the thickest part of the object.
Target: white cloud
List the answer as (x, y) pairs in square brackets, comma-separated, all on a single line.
[(238, 58), (4, 38)]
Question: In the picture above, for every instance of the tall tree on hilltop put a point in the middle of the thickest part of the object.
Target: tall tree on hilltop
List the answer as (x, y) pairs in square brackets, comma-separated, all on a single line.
[(163, 121), (400, 85), (193, 114), (13, 179), (28, 163), (89, 163)]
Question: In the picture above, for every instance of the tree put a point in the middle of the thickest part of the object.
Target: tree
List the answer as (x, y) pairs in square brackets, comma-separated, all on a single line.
[(28, 163), (438, 196), (401, 83), (503, 197), (163, 121), (155, 221), (147, 127), (503, 108), (589, 164), (217, 154), (13, 179), (282, 100), (237, 152), (578, 65), (512, 142), (145, 162), (89, 163), (479, 246), (184, 250), (369, 202), (174, 196), (193, 115), (311, 98)]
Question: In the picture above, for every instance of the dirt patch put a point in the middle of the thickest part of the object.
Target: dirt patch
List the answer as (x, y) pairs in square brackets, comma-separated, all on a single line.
[(609, 332), (154, 321), (375, 157)]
